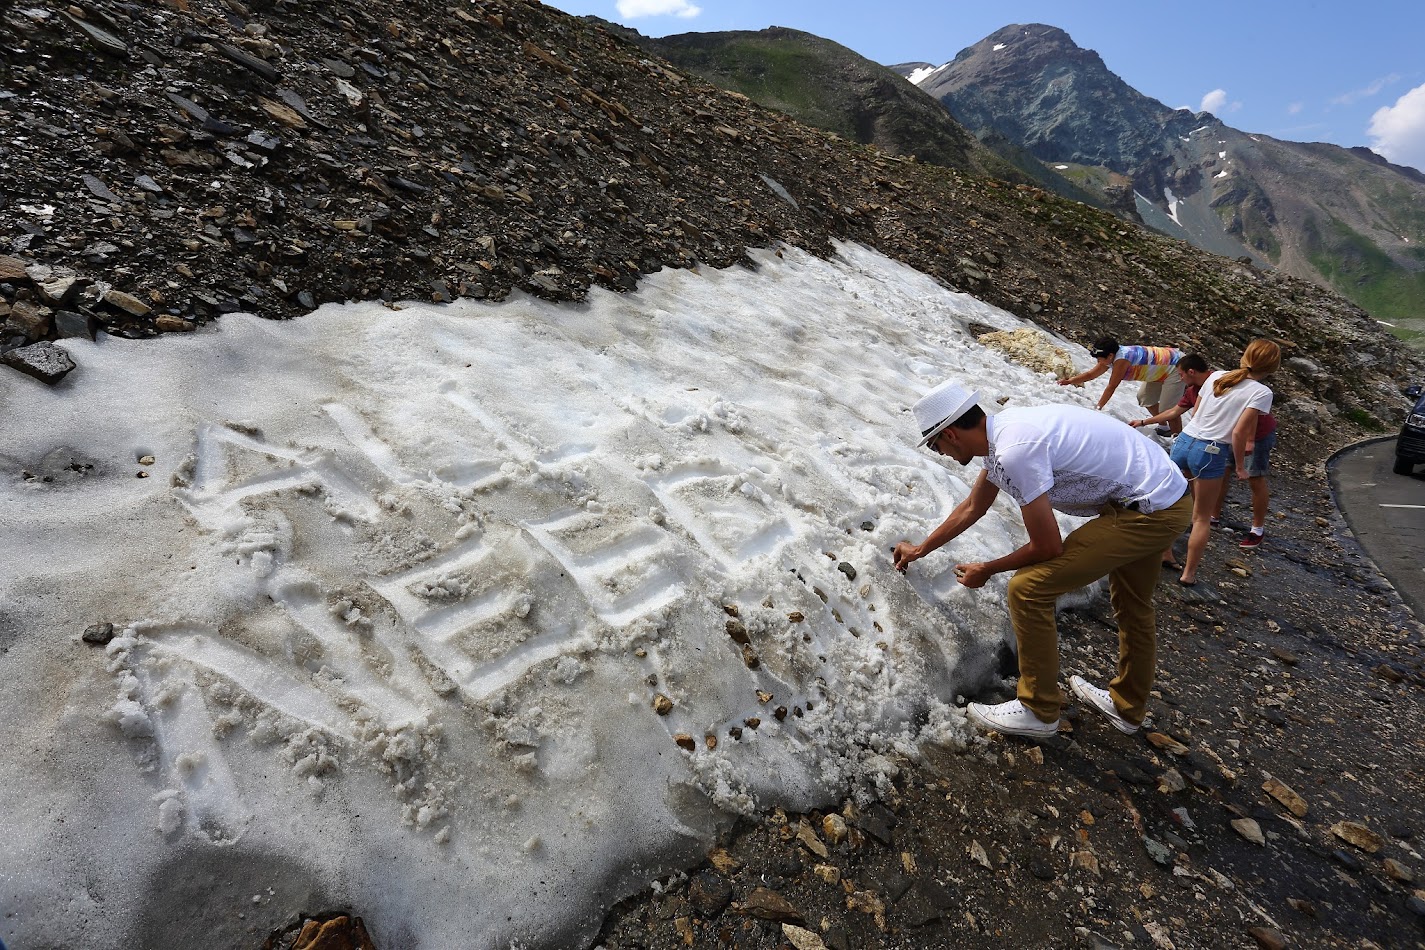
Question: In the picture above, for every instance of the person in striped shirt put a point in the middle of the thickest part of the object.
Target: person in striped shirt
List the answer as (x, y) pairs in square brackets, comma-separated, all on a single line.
[(1151, 366)]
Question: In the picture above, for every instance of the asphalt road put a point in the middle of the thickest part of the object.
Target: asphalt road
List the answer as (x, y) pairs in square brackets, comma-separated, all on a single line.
[(1387, 514)]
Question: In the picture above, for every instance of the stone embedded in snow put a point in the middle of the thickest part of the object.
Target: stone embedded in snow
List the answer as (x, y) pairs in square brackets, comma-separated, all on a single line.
[(99, 634), (44, 361), (662, 705)]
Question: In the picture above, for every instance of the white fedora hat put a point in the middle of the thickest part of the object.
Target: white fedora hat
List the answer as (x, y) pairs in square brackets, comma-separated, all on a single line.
[(942, 406)]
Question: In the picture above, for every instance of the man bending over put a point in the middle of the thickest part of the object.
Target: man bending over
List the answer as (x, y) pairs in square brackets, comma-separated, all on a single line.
[(1080, 462)]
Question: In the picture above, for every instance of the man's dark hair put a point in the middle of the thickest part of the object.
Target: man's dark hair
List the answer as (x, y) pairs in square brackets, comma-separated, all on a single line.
[(969, 420), (1193, 362), (1104, 346)]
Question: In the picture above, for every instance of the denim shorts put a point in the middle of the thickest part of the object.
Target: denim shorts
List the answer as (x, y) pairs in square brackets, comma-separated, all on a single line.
[(1261, 453), (1192, 456)]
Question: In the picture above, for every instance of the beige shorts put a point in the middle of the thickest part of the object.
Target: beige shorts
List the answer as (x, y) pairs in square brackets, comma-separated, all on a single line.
[(1164, 394)]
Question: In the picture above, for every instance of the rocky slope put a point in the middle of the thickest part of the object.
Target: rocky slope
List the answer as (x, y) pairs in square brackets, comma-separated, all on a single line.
[(1344, 218), (827, 86)]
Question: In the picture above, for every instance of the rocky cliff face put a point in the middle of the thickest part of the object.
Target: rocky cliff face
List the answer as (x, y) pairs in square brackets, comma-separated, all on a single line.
[(1343, 219), (171, 163)]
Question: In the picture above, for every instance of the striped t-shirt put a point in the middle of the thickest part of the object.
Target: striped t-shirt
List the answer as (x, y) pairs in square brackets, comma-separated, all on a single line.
[(1148, 364)]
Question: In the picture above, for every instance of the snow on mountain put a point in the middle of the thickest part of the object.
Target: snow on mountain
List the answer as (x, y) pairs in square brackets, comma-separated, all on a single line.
[(466, 613)]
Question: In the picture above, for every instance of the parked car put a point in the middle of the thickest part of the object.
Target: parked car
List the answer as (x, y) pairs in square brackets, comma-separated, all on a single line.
[(1410, 447)]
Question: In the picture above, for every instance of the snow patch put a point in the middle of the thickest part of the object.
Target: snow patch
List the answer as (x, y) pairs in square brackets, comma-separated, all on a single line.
[(406, 582)]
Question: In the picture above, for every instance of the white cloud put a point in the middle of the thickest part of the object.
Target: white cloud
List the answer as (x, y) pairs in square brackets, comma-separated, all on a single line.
[(1365, 92), (1398, 131), (1213, 101), (1295, 108), (632, 9), (1216, 103)]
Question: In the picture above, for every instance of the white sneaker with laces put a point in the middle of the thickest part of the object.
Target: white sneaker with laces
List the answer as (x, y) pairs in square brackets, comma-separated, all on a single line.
[(1011, 718), (1100, 699)]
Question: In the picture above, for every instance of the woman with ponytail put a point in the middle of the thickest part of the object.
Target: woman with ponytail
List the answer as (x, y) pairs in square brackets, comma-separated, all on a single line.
[(1222, 430)]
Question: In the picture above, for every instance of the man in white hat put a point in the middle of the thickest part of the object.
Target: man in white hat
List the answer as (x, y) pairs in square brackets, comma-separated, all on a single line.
[(1080, 462)]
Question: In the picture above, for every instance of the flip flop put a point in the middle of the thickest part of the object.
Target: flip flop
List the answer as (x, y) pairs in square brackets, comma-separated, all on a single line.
[(1187, 583), (1172, 566)]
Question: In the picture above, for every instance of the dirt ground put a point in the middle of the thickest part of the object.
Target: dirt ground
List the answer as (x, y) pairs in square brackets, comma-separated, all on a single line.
[(1274, 798)]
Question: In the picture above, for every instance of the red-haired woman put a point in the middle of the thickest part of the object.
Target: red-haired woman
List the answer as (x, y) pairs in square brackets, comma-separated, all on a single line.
[(1222, 430)]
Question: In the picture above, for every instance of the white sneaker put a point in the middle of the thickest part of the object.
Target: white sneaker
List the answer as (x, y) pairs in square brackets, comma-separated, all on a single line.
[(1011, 718), (1100, 699)]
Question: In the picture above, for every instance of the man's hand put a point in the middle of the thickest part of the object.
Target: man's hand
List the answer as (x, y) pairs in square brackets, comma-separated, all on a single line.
[(1137, 423), (1242, 474), (904, 552), (973, 575)]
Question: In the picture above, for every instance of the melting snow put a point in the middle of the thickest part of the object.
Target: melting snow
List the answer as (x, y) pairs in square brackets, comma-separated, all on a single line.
[(1172, 201), (398, 596), (997, 47), (918, 76)]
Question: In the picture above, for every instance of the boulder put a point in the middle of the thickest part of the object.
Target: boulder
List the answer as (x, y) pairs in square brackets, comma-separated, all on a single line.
[(44, 361)]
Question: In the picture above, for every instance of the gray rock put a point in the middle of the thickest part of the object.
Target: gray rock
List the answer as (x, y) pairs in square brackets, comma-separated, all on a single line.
[(778, 190), (99, 634), (100, 190), (845, 568), (1159, 852), (261, 67), (44, 361), (69, 325), (103, 40)]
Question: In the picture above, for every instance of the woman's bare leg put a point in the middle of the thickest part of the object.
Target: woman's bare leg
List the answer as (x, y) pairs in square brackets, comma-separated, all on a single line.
[(1206, 495)]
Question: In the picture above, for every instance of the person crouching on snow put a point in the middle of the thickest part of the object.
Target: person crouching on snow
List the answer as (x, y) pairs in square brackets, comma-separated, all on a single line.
[(1080, 462)]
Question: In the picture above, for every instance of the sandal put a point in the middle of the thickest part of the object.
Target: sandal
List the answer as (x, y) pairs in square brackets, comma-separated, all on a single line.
[(1187, 583), (1172, 566)]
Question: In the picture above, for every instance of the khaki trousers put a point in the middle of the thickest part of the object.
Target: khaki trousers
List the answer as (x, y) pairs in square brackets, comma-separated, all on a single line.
[(1127, 547)]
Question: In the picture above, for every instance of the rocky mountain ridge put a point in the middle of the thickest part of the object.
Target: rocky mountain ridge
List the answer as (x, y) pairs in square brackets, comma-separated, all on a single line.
[(828, 86), (1344, 218)]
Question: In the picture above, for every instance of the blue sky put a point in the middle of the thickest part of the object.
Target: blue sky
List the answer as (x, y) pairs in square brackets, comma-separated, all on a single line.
[(1309, 70)]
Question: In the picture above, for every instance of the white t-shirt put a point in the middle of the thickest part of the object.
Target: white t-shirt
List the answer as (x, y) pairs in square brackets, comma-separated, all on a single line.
[(1215, 416), (1080, 458)]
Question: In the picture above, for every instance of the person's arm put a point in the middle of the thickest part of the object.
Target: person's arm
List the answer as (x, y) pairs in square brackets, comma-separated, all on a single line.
[(1167, 415), (982, 494), (1045, 543), (1099, 368), (1120, 370), (1244, 435)]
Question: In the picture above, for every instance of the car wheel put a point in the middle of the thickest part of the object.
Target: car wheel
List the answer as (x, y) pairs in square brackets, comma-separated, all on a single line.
[(1403, 466)]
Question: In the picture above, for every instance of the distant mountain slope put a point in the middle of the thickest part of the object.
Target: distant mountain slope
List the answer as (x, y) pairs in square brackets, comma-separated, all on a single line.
[(1344, 218), (826, 85)]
